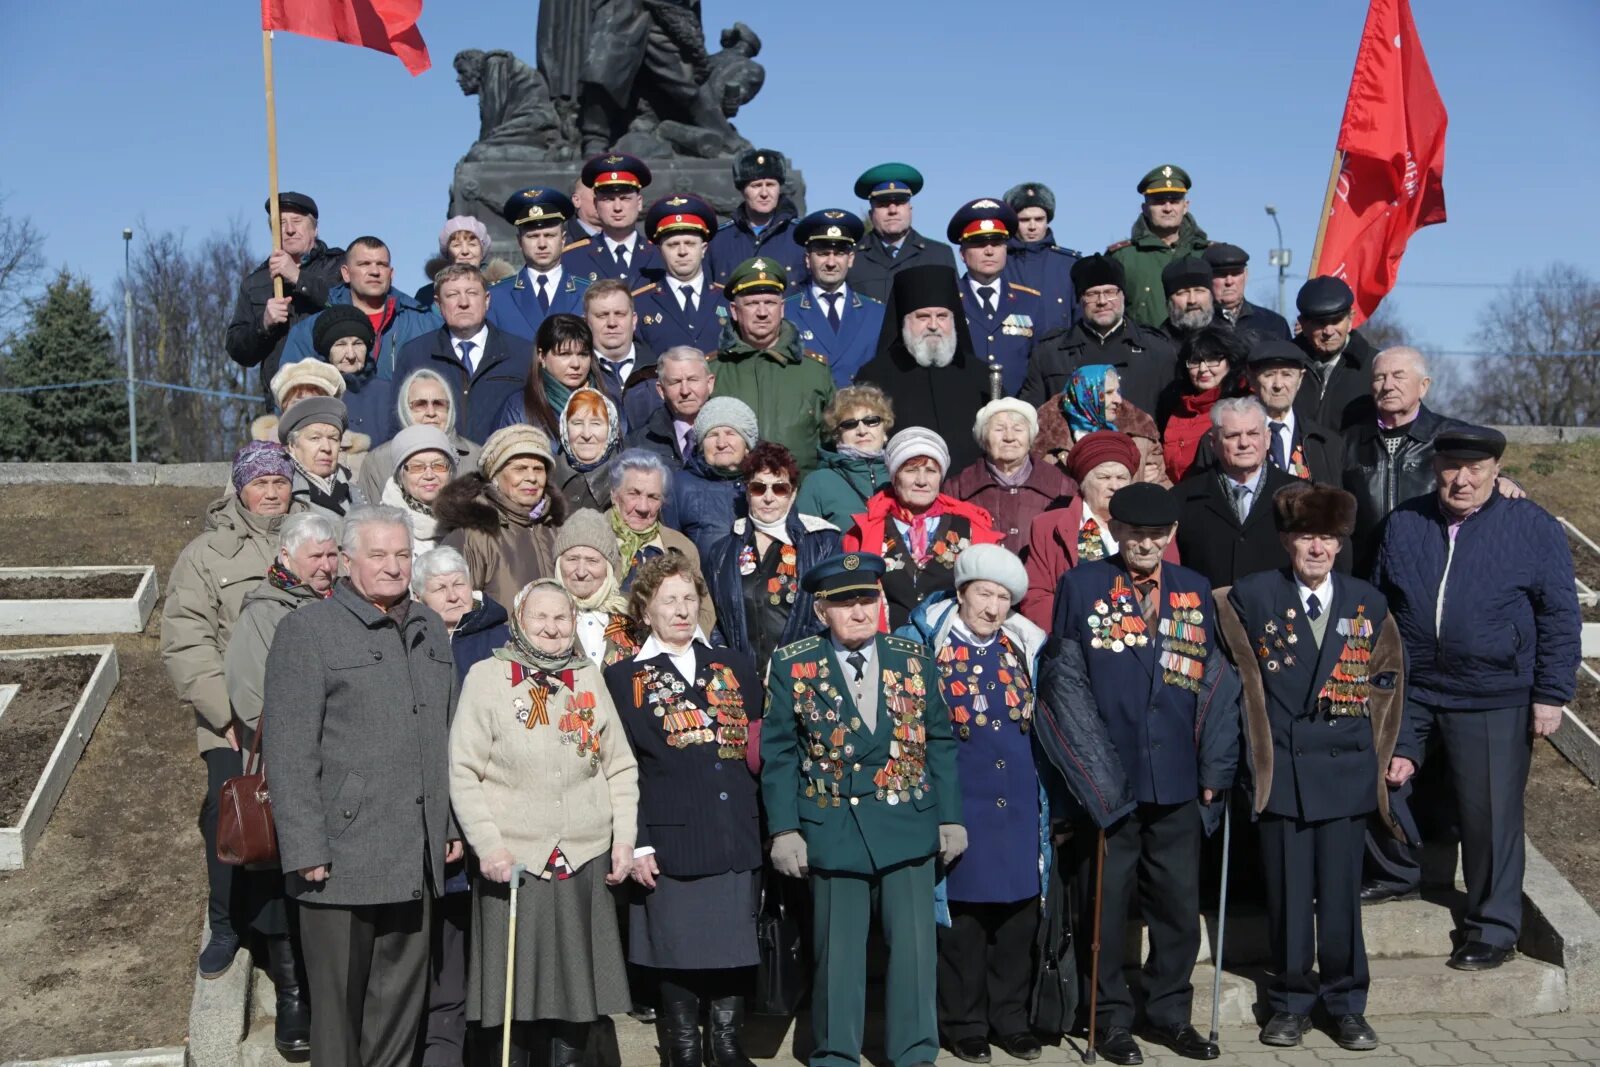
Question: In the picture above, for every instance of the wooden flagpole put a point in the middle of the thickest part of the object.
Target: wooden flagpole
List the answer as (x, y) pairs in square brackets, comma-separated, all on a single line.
[(272, 156), (1327, 206)]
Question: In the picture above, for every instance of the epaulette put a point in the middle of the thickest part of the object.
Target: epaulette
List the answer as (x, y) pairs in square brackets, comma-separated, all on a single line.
[(818, 356), (724, 224), (643, 289), (865, 297), (576, 244), (799, 648), (1073, 252), (1118, 246), (718, 286), (1024, 289), (902, 644)]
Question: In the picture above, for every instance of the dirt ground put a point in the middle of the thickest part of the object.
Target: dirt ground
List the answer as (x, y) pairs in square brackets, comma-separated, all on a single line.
[(31, 726), (94, 587)]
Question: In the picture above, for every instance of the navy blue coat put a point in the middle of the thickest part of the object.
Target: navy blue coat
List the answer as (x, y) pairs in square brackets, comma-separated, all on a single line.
[(1256, 324), (478, 634), (593, 260), (735, 241), (721, 570), (369, 400), (514, 302), (702, 505), (850, 347), (636, 397), (1047, 267), (662, 322), (656, 435), (874, 270), (501, 371), (1510, 632), (1006, 337), (410, 320)]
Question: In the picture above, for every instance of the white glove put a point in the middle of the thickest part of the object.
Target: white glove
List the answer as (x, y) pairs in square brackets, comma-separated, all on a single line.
[(952, 841), (789, 854)]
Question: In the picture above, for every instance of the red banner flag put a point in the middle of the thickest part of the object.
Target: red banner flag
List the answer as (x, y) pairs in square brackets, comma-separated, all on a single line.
[(1390, 183), (383, 25)]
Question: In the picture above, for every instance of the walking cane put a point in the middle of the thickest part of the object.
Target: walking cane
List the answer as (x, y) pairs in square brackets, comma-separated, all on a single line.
[(1089, 1053), (1222, 917), (511, 965)]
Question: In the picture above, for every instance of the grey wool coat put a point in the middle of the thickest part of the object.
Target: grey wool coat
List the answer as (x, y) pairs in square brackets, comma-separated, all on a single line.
[(357, 749)]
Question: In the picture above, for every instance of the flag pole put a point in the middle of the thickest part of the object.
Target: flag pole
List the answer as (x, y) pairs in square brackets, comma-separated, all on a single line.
[(272, 155), (1327, 207)]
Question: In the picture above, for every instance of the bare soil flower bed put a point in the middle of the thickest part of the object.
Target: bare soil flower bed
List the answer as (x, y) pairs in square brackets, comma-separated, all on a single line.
[(32, 723), (109, 586)]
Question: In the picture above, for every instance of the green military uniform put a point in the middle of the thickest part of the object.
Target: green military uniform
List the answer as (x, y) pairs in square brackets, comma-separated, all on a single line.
[(868, 788), (1144, 255), (786, 385)]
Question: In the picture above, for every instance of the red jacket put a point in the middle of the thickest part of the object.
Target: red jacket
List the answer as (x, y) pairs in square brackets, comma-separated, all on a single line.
[(867, 533), (1052, 551)]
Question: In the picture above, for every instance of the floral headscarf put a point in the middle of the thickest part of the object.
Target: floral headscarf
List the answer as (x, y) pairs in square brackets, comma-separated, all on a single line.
[(613, 429), (1083, 401)]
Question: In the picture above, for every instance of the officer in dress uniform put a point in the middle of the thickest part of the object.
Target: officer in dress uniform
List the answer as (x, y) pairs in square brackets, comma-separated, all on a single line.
[(1002, 316), (832, 317), (859, 782), (892, 245), (618, 251), (1034, 259), (1164, 231), (681, 305), (1324, 683), (520, 303)]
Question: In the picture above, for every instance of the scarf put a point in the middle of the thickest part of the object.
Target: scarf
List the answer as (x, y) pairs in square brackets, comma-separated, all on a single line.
[(1200, 403), (630, 541), (326, 494), (281, 577), (613, 433), (1012, 481), (521, 648), (778, 531), (918, 525), (607, 599), (1083, 401), (858, 453), (424, 526), (555, 394)]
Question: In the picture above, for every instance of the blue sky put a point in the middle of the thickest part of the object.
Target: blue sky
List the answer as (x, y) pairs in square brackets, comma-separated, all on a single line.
[(130, 114)]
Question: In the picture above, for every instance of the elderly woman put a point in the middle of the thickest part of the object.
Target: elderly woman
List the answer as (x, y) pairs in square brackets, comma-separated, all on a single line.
[(1102, 462), (563, 361), (342, 335), (587, 566), (919, 531), (422, 399), (1210, 367), (856, 423), (640, 482), (1006, 482), (591, 435), (501, 517), (754, 575), (546, 790), (988, 656), (424, 462), (692, 714), (311, 430), (1091, 401), (463, 240), (708, 494)]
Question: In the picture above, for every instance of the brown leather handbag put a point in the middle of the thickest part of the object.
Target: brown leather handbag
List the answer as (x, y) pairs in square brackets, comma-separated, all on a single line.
[(246, 836)]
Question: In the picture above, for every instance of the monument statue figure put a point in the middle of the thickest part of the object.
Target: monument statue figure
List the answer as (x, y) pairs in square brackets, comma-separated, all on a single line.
[(516, 116)]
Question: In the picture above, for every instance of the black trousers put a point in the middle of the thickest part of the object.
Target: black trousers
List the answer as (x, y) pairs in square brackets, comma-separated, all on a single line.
[(446, 1041), (224, 904), (1312, 875), (1153, 854), (367, 967), (986, 968)]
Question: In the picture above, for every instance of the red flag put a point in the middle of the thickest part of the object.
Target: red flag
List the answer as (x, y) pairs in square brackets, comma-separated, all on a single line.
[(384, 25), (1392, 137)]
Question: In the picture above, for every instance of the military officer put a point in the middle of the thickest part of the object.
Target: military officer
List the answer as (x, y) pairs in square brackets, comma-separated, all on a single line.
[(1164, 231), (681, 305), (617, 182), (833, 318), (1230, 274), (1002, 316), (1324, 674), (763, 221), (859, 782), (520, 303), (1034, 259), (892, 245)]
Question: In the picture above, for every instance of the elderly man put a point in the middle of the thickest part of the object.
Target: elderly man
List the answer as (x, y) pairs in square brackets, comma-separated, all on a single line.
[(1002, 316), (1482, 588), (763, 221), (1135, 688), (1145, 360), (1338, 391), (518, 305), (1294, 445), (303, 573), (891, 245), (424, 399), (863, 814), (617, 181), (1034, 259), (1187, 283), (308, 269), (684, 381), (681, 305), (356, 718), (1163, 232), (626, 364), (926, 363), (1323, 716), (205, 594), (833, 318), (640, 483), (368, 286), (482, 363), (762, 363), (1230, 275)]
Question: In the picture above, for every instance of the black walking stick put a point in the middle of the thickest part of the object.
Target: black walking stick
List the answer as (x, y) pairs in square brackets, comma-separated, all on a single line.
[(1222, 916), (1089, 1054)]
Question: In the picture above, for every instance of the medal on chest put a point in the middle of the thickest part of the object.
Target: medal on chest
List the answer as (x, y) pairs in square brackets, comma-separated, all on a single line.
[(1090, 546), (1275, 644), (970, 691), (1183, 642), (1116, 624), (1348, 688)]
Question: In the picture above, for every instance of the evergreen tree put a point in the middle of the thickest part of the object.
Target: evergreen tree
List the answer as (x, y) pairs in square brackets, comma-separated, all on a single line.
[(66, 341)]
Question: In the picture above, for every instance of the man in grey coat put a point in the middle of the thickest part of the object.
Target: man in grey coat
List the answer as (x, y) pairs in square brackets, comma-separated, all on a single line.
[(356, 719)]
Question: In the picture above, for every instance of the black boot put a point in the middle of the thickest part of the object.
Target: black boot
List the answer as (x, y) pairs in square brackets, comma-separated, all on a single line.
[(726, 1025), (568, 1042), (291, 1030), (678, 1025)]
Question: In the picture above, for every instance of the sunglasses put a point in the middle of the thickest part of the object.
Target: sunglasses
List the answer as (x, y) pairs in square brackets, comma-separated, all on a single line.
[(870, 421), (775, 488)]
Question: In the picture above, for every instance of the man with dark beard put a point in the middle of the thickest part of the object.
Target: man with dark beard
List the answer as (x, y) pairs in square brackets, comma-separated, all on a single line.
[(1190, 304), (926, 362)]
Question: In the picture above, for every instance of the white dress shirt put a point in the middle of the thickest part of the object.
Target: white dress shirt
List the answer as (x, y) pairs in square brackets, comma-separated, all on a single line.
[(696, 285), (1285, 435), (824, 299), (477, 341), (996, 285), (683, 661), (552, 279), (1324, 594), (631, 244)]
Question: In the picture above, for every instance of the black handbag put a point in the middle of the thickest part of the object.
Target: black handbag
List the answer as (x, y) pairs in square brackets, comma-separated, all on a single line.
[(782, 975), (1053, 1005)]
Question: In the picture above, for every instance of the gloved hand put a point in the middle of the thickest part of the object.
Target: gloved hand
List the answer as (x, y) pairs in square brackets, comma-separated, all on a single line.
[(789, 854), (952, 841)]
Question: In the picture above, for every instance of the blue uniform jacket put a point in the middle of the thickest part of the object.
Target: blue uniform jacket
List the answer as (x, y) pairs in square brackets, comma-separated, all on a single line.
[(593, 260), (1007, 336), (500, 372), (814, 541), (1047, 267), (662, 322), (850, 347), (735, 241), (410, 320), (514, 302)]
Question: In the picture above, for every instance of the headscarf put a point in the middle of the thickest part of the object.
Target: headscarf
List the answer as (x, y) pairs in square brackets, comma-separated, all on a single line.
[(521, 648), (613, 431), (630, 541), (1083, 401)]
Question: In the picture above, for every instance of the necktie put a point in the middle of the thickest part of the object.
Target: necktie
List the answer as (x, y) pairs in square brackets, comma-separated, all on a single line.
[(688, 300), (621, 252), (1147, 603), (1313, 607), (893, 250), (986, 294), (1241, 506), (544, 293), (833, 309), (858, 663), (466, 355), (1279, 458)]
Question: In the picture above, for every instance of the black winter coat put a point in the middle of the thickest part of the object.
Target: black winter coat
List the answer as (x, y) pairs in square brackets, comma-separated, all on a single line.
[(1343, 398), (721, 570), (477, 635), (1145, 362), (1381, 482), (942, 399), (247, 343), (1211, 539)]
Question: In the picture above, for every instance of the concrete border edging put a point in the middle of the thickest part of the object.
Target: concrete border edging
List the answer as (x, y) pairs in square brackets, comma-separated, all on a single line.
[(1560, 927), (193, 475), (78, 615), (145, 1057), (219, 1012)]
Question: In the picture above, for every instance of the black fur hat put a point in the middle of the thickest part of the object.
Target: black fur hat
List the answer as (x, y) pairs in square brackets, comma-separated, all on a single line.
[(1314, 509)]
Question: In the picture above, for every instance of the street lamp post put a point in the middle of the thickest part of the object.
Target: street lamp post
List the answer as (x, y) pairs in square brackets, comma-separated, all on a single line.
[(127, 340), (1279, 257)]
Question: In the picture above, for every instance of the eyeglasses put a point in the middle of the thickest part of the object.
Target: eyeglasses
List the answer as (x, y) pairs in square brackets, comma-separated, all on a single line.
[(1205, 361), (872, 422), (775, 488), (436, 467)]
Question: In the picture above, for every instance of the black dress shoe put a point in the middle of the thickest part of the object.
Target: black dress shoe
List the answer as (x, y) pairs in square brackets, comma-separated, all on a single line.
[(1021, 1045), (1382, 894), (1352, 1032), (1186, 1041), (1285, 1029), (970, 1049), (1116, 1044), (1478, 956), (217, 956)]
